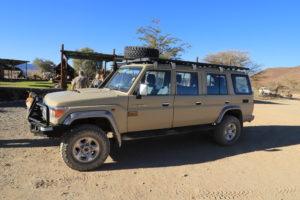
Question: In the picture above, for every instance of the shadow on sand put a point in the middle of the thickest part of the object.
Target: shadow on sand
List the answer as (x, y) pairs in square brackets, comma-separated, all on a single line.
[(194, 149), (183, 149), (265, 102), (25, 143), (13, 103)]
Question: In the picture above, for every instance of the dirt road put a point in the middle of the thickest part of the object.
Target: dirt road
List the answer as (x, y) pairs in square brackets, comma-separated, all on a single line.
[(265, 164)]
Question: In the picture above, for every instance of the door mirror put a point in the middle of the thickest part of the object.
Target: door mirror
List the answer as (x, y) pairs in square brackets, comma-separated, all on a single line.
[(143, 90)]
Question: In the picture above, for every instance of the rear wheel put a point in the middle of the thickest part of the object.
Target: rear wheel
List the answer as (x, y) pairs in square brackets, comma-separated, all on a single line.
[(228, 131), (85, 148)]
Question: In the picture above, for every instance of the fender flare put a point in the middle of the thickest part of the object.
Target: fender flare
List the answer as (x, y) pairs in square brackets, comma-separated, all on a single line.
[(224, 110), (95, 114)]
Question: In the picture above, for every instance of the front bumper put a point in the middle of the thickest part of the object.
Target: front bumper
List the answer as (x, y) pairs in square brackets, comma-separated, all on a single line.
[(49, 131), (38, 118)]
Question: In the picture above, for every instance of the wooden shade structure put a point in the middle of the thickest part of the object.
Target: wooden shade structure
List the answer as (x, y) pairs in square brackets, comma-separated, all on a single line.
[(99, 57)]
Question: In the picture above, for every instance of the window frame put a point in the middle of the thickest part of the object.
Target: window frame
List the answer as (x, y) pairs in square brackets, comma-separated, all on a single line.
[(234, 85), (226, 81), (198, 82)]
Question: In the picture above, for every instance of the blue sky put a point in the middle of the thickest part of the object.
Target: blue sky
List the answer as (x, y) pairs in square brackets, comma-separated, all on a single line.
[(269, 30)]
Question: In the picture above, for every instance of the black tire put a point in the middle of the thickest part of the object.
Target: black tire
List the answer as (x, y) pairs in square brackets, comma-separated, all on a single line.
[(224, 134), (78, 157), (132, 52)]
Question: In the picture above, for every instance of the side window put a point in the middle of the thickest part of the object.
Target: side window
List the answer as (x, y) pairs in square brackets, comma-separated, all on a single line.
[(241, 84), (216, 84), (187, 83), (158, 82)]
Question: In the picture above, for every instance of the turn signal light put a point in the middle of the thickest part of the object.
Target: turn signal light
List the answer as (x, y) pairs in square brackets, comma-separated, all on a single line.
[(57, 112)]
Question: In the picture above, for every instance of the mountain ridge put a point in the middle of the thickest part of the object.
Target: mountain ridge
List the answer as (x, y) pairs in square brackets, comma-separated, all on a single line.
[(287, 76)]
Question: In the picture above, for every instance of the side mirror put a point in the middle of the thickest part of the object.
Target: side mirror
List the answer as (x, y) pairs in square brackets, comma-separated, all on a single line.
[(143, 90)]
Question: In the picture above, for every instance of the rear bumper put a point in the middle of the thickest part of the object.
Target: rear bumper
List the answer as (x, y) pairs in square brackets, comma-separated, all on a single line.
[(249, 118)]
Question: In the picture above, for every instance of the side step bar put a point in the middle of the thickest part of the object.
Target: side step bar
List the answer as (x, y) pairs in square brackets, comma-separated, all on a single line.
[(164, 132)]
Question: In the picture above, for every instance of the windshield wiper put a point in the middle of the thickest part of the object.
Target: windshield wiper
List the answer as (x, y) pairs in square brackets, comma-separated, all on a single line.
[(123, 89), (114, 88)]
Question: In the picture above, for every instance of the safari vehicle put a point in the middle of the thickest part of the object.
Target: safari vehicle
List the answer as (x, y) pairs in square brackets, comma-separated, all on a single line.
[(264, 91), (145, 97)]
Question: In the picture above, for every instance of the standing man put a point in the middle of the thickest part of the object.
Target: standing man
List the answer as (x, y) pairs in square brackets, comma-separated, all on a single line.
[(80, 81), (98, 80)]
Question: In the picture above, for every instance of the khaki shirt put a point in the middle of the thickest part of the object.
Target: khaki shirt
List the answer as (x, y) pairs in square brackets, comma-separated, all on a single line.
[(80, 82), (96, 83)]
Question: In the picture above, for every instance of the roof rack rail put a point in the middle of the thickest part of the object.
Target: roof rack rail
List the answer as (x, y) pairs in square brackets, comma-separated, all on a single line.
[(181, 62)]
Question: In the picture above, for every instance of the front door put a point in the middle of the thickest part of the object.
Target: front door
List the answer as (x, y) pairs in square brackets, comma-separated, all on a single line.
[(154, 111)]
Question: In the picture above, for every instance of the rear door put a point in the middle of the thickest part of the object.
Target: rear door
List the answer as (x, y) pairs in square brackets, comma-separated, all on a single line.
[(217, 95), (243, 95), (188, 108)]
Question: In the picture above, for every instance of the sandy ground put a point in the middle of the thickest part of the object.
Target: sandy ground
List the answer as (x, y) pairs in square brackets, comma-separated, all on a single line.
[(265, 164)]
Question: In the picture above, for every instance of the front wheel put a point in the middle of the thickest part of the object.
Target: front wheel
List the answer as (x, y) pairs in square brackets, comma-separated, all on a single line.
[(86, 147), (228, 131)]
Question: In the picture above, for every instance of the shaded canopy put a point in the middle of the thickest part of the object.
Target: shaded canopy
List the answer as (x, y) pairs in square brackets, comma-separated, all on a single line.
[(11, 62), (91, 56)]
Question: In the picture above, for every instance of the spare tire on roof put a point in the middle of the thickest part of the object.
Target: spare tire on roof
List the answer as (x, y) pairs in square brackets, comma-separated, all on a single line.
[(133, 52)]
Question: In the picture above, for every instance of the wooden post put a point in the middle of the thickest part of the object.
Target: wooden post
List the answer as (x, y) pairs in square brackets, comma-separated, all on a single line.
[(197, 59), (62, 71), (114, 62), (104, 71), (66, 74)]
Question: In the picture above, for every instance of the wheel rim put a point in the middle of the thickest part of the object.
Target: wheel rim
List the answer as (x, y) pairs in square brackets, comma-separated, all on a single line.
[(230, 131), (86, 149)]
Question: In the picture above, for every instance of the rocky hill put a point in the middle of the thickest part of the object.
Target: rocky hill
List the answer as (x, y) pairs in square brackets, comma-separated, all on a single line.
[(286, 76)]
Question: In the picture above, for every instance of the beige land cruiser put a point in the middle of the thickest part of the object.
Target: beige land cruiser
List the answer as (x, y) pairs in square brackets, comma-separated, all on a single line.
[(145, 97)]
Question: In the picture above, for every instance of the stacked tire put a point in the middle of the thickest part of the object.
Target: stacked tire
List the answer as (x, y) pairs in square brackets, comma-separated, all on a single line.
[(134, 52)]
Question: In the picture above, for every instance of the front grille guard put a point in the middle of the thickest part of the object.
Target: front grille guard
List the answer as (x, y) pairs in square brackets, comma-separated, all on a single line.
[(35, 114)]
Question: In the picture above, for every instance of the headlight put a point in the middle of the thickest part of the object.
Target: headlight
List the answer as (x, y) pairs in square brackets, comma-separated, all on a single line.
[(44, 112), (56, 113)]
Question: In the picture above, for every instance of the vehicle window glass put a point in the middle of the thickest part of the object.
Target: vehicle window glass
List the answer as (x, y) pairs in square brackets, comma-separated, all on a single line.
[(123, 78), (241, 84), (158, 82), (216, 84), (186, 83)]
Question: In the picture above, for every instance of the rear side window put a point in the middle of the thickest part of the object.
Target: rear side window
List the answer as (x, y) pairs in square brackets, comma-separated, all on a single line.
[(216, 84), (186, 83), (241, 84)]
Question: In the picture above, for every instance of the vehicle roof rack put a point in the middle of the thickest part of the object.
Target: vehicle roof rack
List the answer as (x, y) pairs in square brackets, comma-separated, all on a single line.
[(181, 62)]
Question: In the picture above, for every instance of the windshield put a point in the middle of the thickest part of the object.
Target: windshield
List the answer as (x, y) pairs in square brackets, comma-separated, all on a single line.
[(123, 78)]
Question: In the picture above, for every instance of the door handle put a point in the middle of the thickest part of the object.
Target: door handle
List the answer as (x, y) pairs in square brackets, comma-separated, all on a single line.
[(198, 103), (165, 104), (227, 102)]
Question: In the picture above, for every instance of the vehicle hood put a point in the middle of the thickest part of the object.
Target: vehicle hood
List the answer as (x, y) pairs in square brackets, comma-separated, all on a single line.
[(82, 97)]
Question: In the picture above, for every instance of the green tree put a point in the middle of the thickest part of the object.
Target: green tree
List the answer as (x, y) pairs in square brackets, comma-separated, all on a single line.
[(233, 58), (44, 65), (87, 66), (168, 46)]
